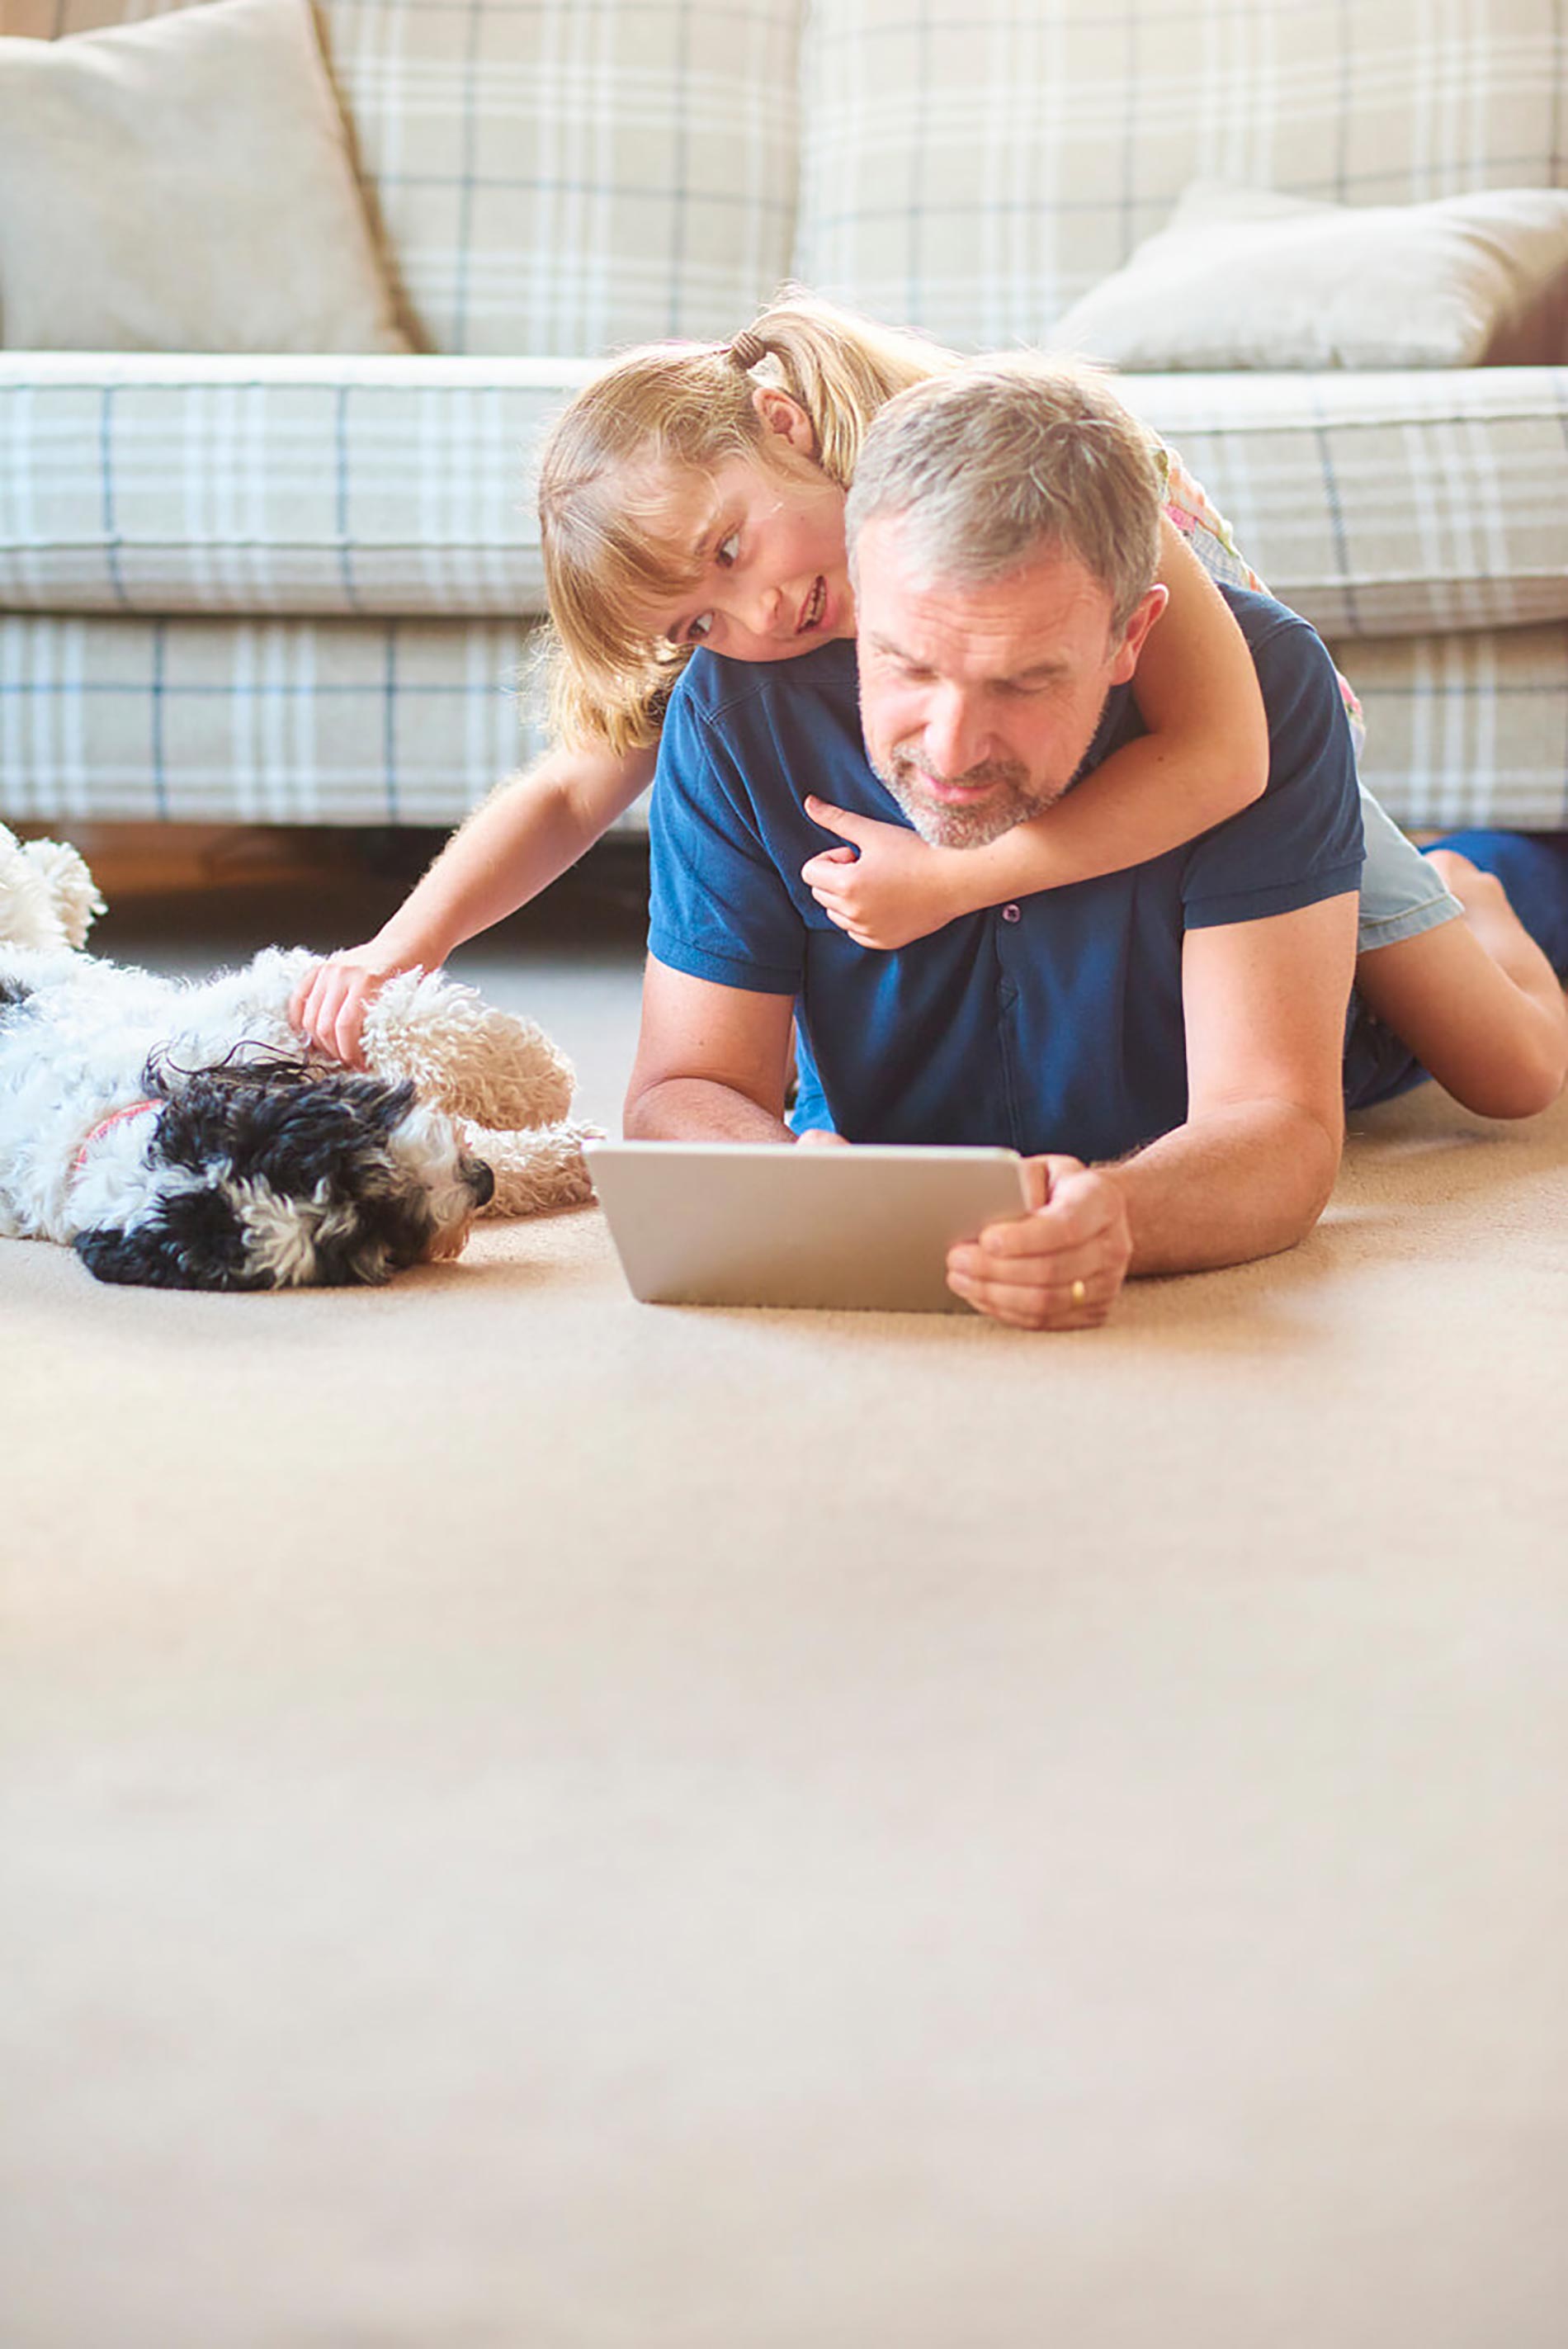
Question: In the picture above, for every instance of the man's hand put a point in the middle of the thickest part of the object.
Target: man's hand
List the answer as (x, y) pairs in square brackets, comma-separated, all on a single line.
[(1060, 1266), (887, 888)]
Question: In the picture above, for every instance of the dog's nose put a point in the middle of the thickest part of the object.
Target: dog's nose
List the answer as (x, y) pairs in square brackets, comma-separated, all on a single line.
[(483, 1184)]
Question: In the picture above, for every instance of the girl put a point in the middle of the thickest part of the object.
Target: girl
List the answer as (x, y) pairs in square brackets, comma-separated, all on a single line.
[(693, 494)]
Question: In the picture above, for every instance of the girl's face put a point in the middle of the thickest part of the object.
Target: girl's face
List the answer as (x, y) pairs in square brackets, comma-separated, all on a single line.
[(768, 535)]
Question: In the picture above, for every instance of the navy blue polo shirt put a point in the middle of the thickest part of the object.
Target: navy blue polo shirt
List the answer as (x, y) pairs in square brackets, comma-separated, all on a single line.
[(1051, 1023)]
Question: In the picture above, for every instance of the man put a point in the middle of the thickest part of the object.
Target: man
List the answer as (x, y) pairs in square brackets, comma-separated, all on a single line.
[(1167, 1043)]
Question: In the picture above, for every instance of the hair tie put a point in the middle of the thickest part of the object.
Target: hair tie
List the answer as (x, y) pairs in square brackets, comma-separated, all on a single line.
[(745, 350)]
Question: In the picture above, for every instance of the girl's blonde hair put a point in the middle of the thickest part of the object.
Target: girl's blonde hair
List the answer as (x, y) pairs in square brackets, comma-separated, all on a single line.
[(607, 556)]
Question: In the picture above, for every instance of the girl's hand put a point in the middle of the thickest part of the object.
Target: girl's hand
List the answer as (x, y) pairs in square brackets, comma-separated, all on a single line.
[(894, 889), (329, 1005)]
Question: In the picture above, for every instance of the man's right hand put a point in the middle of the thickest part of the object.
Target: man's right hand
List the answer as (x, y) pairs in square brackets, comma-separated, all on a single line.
[(1060, 1266), (329, 1005)]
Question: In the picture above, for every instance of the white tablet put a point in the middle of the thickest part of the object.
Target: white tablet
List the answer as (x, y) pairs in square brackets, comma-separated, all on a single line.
[(768, 1223)]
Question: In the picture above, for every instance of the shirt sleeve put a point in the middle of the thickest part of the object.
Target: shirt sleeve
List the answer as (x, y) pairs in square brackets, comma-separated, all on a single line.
[(1301, 842), (718, 908)]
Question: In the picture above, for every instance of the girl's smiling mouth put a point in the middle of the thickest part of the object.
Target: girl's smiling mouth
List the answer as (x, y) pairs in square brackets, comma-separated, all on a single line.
[(812, 610)]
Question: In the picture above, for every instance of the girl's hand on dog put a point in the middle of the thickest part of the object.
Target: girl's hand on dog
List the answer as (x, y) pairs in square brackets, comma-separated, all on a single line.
[(329, 1005)]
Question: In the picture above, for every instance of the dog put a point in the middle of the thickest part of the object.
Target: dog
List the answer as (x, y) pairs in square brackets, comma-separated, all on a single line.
[(178, 1135)]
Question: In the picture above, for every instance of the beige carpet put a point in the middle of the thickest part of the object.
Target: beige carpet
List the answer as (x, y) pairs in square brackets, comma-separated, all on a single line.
[(537, 1822)]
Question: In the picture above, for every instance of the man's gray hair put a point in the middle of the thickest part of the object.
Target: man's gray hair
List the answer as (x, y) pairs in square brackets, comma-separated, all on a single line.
[(1008, 460)]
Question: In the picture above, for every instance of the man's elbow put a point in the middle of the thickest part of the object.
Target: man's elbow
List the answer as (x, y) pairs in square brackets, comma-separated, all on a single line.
[(645, 1113), (1292, 1179), (1318, 1145), (634, 1118)]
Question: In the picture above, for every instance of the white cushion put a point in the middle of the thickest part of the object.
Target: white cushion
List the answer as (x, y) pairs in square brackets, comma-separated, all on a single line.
[(1245, 277), (184, 184)]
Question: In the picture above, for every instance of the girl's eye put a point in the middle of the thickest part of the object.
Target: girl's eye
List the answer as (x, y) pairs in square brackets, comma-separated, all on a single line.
[(728, 549), (701, 626)]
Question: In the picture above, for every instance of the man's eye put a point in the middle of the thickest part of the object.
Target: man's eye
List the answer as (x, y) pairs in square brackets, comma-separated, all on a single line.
[(728, 549), (700, 627)]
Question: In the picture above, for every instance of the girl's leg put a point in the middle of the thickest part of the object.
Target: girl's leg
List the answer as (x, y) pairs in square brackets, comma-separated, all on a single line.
[(1478, 1000)]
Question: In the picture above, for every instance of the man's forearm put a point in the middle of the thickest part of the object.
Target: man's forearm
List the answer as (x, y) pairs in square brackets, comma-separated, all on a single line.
[(1230, 1185), (695, 1108)]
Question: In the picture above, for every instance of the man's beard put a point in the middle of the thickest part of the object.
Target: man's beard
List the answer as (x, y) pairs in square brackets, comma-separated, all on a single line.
[(1011, 800)]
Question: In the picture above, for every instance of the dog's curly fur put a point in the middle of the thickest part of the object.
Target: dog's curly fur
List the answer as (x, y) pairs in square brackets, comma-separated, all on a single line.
[(177, 1133)]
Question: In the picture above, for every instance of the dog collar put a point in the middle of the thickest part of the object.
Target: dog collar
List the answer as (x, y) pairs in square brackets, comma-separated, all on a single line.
[(133, 1109)]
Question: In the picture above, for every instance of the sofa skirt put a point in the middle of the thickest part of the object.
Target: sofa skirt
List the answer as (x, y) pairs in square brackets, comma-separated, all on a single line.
[(260, 722), (1466, 729), (416, 721)]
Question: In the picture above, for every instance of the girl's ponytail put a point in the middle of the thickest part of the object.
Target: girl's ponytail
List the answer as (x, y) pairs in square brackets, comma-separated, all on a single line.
[(840, 368)]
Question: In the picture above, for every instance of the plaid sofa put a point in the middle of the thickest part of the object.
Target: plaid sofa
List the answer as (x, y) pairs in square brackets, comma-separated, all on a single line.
[(299, 590)]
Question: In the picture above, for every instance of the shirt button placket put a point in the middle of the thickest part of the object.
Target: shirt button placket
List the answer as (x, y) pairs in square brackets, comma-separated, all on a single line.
[(1007, 986), (1007, 1038)]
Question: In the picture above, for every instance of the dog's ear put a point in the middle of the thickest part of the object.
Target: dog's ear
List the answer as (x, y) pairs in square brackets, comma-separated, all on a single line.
[(384, 1104), (142, 1260), (195, 1241)]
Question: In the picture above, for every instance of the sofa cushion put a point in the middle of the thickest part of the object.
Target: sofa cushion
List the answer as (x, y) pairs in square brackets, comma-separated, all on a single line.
[(973, 170), (1385, 505), (1376, 504), (1244, 277), (184, 185), (287, 485), (554, 178)]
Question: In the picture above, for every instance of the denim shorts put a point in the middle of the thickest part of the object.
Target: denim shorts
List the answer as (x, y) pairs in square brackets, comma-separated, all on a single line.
[(1401, 895)]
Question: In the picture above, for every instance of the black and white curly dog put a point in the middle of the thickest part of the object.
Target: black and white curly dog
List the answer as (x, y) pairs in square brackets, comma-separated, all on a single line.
[(176, 1133)]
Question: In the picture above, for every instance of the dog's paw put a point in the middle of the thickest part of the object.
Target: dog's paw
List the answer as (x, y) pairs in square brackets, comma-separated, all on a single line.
[(72, 892), (537, 1170)]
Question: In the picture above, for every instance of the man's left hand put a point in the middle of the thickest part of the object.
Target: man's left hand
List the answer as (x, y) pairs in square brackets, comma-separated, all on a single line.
[(1060, 1266)]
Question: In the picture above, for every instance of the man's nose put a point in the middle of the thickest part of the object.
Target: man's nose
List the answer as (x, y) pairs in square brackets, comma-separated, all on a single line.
[(953, 735)]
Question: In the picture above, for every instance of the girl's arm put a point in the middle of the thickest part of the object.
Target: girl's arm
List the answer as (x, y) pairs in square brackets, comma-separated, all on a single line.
[(1205, 757), (522, 838)]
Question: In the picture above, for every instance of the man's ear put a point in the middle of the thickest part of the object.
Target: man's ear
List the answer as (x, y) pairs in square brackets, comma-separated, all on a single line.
[(778, 412), (1144, 614)]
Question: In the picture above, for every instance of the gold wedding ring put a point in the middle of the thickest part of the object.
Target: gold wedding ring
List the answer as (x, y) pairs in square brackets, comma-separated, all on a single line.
[(1079, 1292)]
